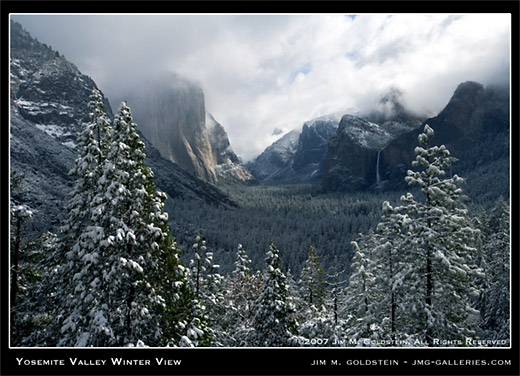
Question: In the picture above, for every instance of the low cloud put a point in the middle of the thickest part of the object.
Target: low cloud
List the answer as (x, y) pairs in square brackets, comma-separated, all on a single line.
[(265, 72)]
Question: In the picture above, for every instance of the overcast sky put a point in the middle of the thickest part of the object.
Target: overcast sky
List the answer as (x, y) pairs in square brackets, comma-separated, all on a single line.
[(261, 72)]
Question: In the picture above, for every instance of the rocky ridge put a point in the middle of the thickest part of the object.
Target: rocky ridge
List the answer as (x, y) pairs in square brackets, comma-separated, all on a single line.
[(228, 166), (298, 156), (353, 141), (354, 154), (172, 114), (474, 126), (48, 103)]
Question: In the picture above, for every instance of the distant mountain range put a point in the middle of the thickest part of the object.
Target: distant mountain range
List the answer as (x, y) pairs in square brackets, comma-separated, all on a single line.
[(303, 156), (49, 102), (374, 151)]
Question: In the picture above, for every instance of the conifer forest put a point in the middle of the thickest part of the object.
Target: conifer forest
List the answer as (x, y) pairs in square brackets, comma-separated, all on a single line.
[(283, 266)]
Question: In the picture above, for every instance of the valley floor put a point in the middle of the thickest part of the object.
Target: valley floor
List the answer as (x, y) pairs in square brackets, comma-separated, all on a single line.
[(293, 216)]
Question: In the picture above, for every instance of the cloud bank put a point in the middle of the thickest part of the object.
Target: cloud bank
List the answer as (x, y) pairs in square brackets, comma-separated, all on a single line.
[(261, 73)]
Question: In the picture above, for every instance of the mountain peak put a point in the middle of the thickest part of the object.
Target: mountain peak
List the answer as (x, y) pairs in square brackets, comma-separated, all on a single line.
[(464, 112), (474, 126), (468, 87)]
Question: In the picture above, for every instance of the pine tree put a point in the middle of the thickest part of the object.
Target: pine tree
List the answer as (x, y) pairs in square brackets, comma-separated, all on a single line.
[(313, 285), (359, 297), (119, 278), (315, 321), (182, 321), (299, 303), (390, 268), (336, 281), (19, 214), (273, 324), (29, 315), (92, 144), (495, 299), (441, 250), (414, 281), (207, 283), (60, 292), (132, 231), (243, 288)]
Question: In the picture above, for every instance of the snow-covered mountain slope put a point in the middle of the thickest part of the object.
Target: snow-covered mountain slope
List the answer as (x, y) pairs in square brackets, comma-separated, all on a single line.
[(276, 158), (353, 157), (49, 102), (305, 159), (297, 157)]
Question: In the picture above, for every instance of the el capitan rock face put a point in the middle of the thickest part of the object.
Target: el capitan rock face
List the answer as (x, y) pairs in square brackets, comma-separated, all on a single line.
[(172, 115)]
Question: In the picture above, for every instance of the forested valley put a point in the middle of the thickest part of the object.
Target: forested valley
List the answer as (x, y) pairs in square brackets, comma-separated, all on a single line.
[(295, 217)]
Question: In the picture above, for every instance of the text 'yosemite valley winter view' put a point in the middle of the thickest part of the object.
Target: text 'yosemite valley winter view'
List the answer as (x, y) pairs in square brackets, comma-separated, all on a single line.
[(320, 180)]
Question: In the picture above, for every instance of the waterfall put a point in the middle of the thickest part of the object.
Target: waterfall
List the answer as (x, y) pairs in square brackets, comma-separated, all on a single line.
[(378, 177)]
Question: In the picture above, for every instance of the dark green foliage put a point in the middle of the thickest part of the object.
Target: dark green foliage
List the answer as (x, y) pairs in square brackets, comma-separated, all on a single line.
[(294, 216), (494, 302), (312, 282), (273, 322)]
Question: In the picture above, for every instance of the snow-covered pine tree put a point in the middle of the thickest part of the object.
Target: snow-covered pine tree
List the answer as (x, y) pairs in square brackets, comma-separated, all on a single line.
[(313, 285), (199, 265), (29, 315), (132, 232), (495, 306), (117, 260), (243, 287), (315, 321), (19, 214), (359, 295), (273, 324), (182, 318), (442, 256), (336, 282), (297, 301), (389, 269), (65, 299), (92, 142), (207, 283)]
